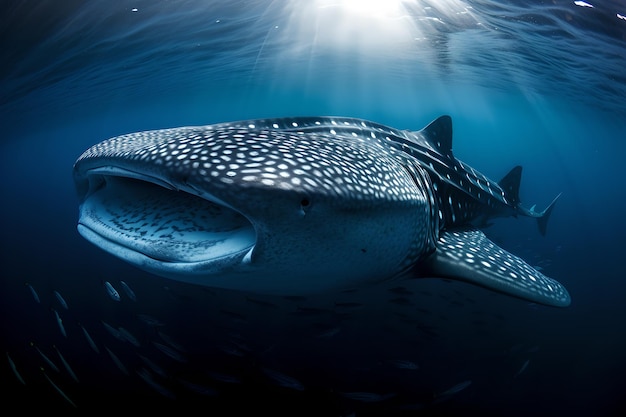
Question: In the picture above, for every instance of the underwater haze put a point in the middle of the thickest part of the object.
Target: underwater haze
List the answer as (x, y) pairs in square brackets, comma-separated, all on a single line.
[(541, 84)]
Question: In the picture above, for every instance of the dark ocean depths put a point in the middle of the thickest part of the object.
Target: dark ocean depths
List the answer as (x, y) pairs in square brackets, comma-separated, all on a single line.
[(541, 84)]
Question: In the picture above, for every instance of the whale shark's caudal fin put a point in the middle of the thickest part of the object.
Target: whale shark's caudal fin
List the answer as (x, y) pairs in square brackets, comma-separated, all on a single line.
[(542, 220), (467, 255), (510, 184)]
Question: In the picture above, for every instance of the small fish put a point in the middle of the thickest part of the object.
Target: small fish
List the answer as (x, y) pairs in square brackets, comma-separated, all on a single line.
[(367, 397), (172, 353), (65, 364), (128, 336), (283, 380), (129, 291), (45, 358), (117, 361), (456, 388), (228, 379), (171, 342), (235, 340), (145, 375), (15, 371), (59, 390), (523, 368), (582, 4), (150, 321), (33, 292), (198, 388), (231, 350), (403, 364), (115, 296), (89, 339), (59, 322), (155, 368), (61, 299), (115, 332), (328, 333)]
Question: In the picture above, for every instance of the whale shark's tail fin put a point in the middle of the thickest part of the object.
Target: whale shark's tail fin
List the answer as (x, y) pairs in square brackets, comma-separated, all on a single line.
[(511, 184), (542, 219)]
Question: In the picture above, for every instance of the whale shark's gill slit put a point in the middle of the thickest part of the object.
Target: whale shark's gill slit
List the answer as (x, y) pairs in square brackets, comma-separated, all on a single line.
[(164, 224)]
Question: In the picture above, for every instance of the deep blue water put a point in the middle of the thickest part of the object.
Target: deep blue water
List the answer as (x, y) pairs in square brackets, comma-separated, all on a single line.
[(534, 83)]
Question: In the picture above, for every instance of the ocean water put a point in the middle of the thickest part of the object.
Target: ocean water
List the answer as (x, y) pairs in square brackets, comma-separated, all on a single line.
[(540, 84)]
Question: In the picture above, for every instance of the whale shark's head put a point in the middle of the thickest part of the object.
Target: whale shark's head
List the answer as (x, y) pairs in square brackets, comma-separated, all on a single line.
[(258, 208)]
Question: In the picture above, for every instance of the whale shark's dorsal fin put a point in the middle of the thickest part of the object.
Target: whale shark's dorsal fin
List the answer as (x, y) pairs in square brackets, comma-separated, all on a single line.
[(510, 184), (439, 134)]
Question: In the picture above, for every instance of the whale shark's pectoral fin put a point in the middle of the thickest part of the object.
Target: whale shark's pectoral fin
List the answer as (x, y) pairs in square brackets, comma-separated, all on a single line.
[(469, 256)]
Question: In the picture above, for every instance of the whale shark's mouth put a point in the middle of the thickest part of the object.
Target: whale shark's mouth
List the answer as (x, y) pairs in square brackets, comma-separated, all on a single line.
[(169, 231)]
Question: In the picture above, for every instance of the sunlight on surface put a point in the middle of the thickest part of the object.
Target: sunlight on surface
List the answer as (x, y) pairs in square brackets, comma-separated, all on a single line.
[(349, 46), (369, 24), (374, 25), (374, 8)]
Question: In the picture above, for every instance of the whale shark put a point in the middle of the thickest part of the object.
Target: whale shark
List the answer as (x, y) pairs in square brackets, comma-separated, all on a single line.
[(302, 205)]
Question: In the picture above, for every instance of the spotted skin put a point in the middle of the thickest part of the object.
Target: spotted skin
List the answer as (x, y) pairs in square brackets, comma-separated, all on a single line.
[(298, 205), (492, 267)]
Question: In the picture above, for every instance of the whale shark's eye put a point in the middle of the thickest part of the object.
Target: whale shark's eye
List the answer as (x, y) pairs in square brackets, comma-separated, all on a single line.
[(305, 205)]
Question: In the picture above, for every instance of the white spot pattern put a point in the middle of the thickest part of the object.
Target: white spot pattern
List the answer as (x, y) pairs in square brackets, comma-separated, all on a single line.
[(506, 271), (259, 153)]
